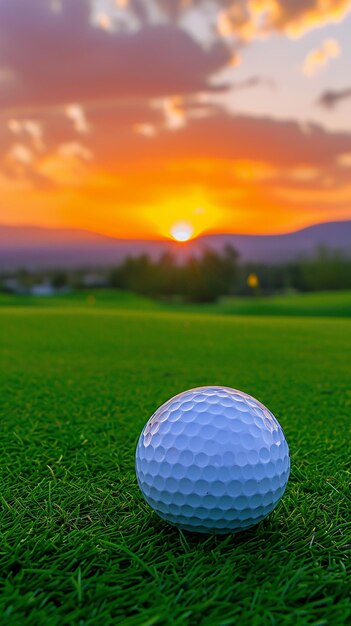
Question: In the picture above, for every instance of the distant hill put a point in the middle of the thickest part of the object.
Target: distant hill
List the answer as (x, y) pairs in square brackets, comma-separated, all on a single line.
[(44, 248), (276, 248)]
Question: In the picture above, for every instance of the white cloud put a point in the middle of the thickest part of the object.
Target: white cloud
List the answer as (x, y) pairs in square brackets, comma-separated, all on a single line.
[(67, 165), (20, 154), (75, 150), (104, 21), (148, 130), (29, 127), (173, 112), (76, 113), (319, 58)]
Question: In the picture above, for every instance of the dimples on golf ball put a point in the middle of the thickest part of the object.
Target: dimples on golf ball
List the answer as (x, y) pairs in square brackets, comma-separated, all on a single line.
[(212, 460)]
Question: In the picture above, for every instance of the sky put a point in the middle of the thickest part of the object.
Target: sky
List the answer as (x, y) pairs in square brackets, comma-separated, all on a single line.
[(161, 118)]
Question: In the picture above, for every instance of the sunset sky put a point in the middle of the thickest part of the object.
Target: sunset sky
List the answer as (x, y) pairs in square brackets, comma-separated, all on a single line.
[(143, 118)]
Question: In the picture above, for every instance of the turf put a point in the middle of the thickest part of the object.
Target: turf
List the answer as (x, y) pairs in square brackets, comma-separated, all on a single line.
[(84, 299), (79, 544), (320, 304)]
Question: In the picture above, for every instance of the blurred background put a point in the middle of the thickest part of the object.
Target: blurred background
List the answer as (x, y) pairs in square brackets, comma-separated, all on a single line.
[(184, 150)]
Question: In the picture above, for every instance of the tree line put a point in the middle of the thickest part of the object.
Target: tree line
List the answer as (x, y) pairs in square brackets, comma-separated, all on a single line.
[(204, 277), (212, 274)]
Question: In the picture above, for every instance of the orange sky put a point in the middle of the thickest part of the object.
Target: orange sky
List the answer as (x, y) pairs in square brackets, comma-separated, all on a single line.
[(128, 121)]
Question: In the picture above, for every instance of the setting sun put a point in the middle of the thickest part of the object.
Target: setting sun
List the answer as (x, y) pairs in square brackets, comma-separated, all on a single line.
[(183, 231)]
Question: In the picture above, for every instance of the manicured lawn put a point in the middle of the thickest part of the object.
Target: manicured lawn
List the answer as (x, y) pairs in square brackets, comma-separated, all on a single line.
[(83, 299), (321, 304), (78, 543), (327, 304)]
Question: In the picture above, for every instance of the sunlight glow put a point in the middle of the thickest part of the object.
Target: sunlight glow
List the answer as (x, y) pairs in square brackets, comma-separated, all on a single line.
[(183, 231)]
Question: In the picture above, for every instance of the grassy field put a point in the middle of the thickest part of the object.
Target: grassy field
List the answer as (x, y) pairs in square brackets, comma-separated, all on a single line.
[(327, 304), (79, 544)]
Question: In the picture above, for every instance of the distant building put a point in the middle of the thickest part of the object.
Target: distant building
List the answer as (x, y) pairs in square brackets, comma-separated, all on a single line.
[(12, 285)]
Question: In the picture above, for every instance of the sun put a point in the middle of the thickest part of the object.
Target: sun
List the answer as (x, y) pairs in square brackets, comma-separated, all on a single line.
[(182, 231)]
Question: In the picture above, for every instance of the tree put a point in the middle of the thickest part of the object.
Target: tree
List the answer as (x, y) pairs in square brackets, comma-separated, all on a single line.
[(210, 276), (59, 280)]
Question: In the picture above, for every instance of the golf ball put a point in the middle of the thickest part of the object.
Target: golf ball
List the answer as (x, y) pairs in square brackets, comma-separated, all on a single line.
[(212, 460)]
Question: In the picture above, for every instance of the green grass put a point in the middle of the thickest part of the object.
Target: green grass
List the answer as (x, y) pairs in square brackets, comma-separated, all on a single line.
[(86, 299), (78, 543), (323, 304)]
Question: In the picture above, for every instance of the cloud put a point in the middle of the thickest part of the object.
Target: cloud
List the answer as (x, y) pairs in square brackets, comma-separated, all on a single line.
[(260, 170), (75, 113), (304, 174), (51, 127), (67, 166), (329, 99), (319, 58), (173, 111), (122, 114), (173, 136), (249, 18), (345, 159), (20, 163), (20, 155), (147, 130), (104, 21), (222, 136), (74, 150), (217, 154), (55, 58), (29, 128), (253, 81), (263, 171), (125, 142), (296, 17)]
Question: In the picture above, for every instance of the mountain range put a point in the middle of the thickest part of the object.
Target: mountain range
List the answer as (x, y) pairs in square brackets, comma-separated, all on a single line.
[(34, 247)]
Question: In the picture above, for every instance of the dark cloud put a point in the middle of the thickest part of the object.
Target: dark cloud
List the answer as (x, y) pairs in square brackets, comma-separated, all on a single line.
[(61, 57), (111, 125), (174, 8), (221, 136), (215, 136), (253, 81), (261, 161), (140, 9), (331, 98), (282, 144), (266, 160)]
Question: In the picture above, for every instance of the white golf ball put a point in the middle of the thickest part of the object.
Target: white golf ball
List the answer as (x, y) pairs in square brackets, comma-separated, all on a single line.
[(212, 460)]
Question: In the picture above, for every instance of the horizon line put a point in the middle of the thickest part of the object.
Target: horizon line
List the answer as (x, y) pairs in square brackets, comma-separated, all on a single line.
[(168, 239)]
